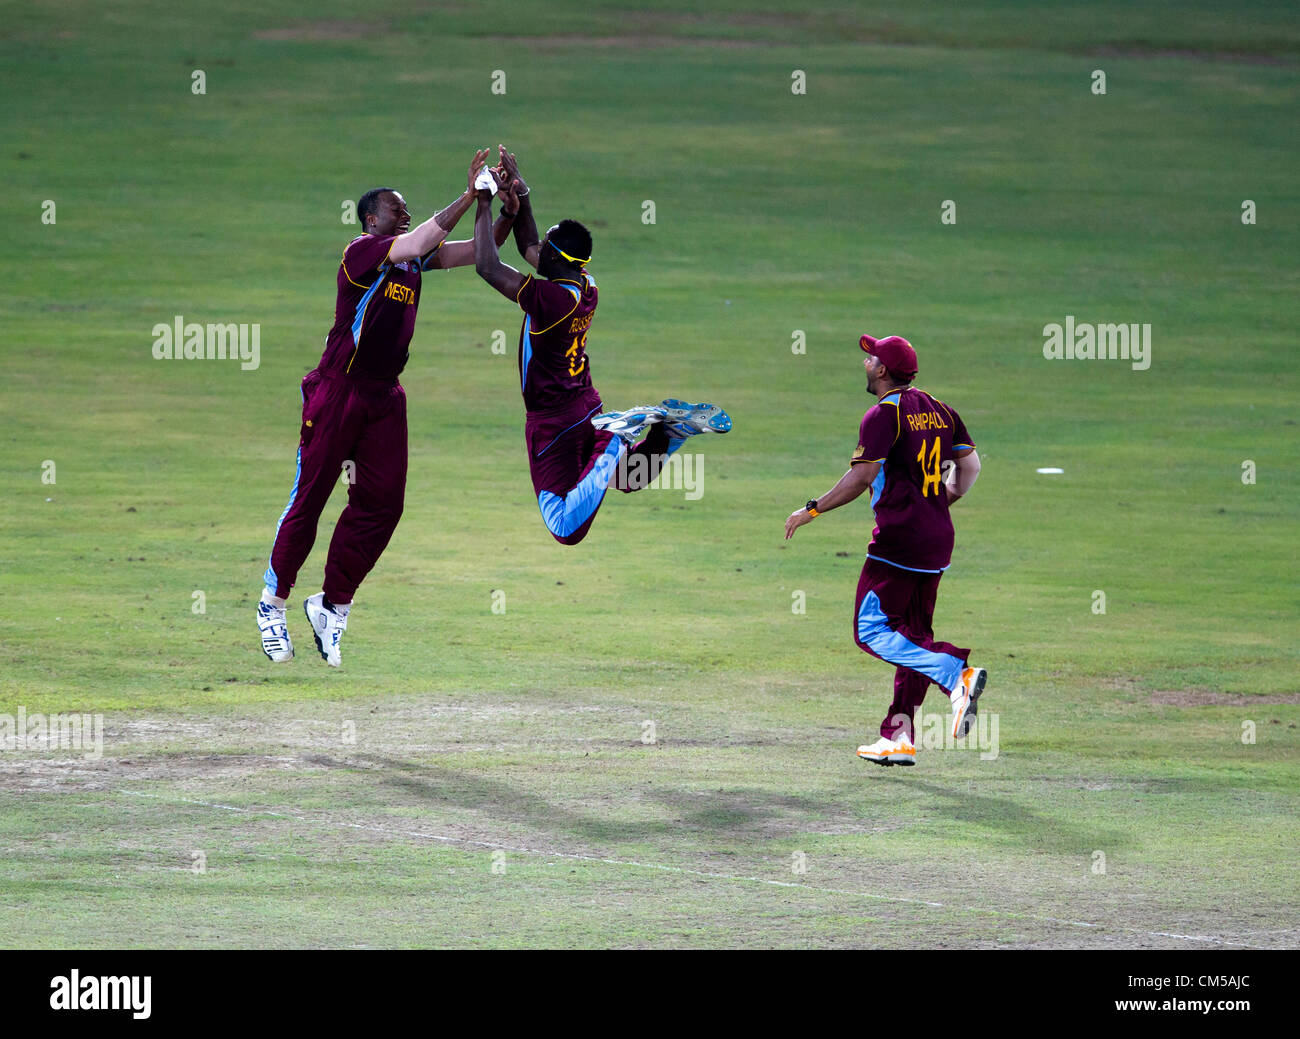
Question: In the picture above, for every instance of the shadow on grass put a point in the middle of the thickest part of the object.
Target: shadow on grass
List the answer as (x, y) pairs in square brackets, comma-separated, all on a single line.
[(726, 816), (1031, 829)]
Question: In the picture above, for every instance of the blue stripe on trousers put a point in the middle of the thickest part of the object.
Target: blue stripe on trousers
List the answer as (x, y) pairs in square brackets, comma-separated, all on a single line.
[(564, 515), (874, 632), (269, 577)]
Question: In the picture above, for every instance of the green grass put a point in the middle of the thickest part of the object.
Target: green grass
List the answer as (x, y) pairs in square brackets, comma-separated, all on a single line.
[(774, 213)]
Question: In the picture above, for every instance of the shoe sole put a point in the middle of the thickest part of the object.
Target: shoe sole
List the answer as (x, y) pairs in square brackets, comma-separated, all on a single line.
[(320, 646), (967, 720), (902, 760), (680, 414)]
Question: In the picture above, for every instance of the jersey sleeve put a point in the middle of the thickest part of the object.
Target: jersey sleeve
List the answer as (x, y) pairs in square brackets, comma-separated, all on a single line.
[(428, 257), (961, 439), (545, 302), (363, 258), (877, 434)]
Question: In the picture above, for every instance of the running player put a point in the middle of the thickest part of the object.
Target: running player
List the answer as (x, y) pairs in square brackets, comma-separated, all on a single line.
[(354, 411), (574, 451), (904, 443)]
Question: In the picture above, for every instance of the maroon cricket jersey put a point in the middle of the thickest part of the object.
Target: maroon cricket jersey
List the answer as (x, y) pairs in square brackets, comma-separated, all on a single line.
[(553, 365), (911, 434), (374, 317)]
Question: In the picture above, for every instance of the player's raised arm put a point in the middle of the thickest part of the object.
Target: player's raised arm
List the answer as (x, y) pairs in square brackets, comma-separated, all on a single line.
[(850, 486), (526, 240), (501, 276), (430, 234), (461, 253)]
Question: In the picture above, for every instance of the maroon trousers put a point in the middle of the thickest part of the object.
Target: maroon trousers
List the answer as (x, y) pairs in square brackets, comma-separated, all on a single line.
[(892, 620), (573, 464), (355, 429)]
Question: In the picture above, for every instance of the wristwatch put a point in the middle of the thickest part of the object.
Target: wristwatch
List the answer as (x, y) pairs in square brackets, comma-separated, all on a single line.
[(812, 508)]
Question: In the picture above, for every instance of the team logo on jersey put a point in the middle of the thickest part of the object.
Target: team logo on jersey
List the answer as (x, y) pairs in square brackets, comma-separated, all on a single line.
[(399, 292), (859, 452)]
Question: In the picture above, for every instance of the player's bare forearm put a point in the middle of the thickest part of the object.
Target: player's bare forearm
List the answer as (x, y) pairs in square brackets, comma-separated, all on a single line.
[(487, 262), (417, 241), (450, 217), (501, 229), (847, 488), (963, 475), (430, 234), (526, 240), (461, 253)]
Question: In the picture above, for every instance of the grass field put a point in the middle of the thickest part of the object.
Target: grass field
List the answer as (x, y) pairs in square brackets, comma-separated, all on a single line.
[(481, 778)]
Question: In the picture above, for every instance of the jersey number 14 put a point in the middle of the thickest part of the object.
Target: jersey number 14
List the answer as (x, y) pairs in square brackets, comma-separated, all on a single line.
[(929, 468)]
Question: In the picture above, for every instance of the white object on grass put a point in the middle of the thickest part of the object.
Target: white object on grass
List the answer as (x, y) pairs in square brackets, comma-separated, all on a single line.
[(1053, 472)]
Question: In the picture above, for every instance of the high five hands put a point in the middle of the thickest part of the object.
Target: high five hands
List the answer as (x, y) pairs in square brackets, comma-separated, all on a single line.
[(512, 183), (506, 173)]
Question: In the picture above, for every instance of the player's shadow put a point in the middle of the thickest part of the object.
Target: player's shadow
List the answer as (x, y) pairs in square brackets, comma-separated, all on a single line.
[(733, 815), (1009, 816)]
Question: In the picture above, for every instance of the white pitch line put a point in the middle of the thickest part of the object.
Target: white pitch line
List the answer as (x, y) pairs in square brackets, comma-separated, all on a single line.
[(687, 871)]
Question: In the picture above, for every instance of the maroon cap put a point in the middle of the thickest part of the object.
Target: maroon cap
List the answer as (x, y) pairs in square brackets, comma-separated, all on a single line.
[(894, 352)]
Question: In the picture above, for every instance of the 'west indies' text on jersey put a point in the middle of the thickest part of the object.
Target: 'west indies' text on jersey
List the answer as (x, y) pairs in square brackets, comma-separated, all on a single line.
[(911, 434), (374, 317), (553, 365)]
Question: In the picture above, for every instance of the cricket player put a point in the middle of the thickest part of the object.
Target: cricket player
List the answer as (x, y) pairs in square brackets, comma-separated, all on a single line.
[(904, 444), (575, 451), (354, 412)]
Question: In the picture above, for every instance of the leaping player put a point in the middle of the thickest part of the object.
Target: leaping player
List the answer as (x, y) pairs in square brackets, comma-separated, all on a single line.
[(354, 409), (575, 451)]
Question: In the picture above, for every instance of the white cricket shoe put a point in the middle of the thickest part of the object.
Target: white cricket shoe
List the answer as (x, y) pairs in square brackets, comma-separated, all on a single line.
[(890, 752), (275, 631), (629, 424), (327, 626), (963, 700)]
